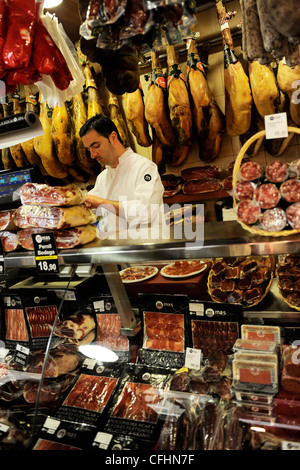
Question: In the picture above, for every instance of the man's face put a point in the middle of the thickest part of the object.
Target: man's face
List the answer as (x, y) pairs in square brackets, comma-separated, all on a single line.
[(101, 148)]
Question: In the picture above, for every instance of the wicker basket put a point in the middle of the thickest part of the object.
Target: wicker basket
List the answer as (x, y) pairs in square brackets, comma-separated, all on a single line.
[(280, 263), (267, 287), (239, 158)]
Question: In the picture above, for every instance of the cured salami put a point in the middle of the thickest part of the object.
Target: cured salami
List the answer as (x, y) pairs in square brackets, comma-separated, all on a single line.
[(42, 194), (277, 171), (290, 190), (27, 216), (267, 195), (273, 220), (251, 171), (248, 212), (293, 215), (64, 239), (203, 185), (244, 190)]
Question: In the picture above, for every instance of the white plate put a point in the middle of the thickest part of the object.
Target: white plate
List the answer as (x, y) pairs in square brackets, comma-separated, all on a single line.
[(177, 276), (148, 276)]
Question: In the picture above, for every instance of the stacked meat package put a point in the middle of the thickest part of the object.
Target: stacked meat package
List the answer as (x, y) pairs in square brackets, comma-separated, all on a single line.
[(58, 209), (255, 369)]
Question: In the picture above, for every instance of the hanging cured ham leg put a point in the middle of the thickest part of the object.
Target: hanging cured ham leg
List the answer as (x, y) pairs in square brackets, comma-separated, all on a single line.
[(199, 90), (117, 118), (135, 115), (178, 98), (288, 80), (28, 146), (238, 98), (156, 112)]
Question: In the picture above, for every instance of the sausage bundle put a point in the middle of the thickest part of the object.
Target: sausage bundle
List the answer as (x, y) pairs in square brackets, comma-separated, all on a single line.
[(268, 200)]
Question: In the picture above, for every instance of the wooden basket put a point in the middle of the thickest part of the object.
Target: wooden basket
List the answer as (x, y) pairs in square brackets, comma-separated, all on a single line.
[(239, 158), (295, 307)]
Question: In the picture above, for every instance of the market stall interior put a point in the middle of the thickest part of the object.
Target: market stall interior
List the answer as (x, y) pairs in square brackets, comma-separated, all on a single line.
[(129, 340)]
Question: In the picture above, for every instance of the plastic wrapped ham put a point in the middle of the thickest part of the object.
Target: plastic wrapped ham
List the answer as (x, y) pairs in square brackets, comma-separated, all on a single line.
[(9, 240), (7, 220), (29, 215), (44, 195), (68, 238)]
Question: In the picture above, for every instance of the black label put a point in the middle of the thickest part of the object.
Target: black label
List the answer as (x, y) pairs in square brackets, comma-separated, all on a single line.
[(147, 177), (45, 253)]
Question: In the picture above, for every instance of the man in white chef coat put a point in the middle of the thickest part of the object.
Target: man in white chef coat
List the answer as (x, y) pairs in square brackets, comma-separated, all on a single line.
[(128, 193)]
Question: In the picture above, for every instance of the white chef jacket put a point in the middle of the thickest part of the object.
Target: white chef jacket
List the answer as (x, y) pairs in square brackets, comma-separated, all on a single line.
[(136, 183)]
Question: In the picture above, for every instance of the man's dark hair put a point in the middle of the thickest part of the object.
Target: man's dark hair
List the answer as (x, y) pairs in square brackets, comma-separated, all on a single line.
[(101, 124)]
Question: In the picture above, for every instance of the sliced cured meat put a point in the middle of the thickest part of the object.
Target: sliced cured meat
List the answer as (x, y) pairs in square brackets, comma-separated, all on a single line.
[(199, 172), (91, 392), (290, 190), (27, 216), (16, 328), (251, 171), (40, 320), (201, 186), (273, 220), (42, 194), (218, 295), (137, 402), (267, 196), (277, 171), (248, 212), (244, 190), (232, 272), (293, 215), (58, 363)]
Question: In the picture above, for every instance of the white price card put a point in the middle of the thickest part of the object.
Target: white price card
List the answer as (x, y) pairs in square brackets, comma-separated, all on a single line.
[(276, 126), (290, 445), (193, 358)]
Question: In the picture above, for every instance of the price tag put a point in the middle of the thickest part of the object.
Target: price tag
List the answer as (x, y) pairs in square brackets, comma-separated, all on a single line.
[(276, 126), (45, 253), (22, 355), (193, 358)]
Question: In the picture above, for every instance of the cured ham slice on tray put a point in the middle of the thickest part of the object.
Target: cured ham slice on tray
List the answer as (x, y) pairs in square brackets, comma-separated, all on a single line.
[(138, 402), (91, 392), (109, 332), (16, 328)]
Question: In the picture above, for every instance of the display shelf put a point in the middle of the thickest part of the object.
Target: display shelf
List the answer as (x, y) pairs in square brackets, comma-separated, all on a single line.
[(220, 239)]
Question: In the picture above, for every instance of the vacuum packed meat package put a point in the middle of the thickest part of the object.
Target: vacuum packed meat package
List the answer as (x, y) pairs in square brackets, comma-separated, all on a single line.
[(134, 416), (91, 392), (42, 194), (66, 238), (29, 215), (7, 220), (9, 240)]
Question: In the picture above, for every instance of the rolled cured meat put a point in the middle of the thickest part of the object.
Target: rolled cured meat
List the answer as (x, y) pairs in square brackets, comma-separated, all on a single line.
[(27, 216), (277, 171), (44, 195), (251, 171), (248, 212), (244, 190), (267, 195), (64, 239), (273, 220), (293, 215), (290, 190)]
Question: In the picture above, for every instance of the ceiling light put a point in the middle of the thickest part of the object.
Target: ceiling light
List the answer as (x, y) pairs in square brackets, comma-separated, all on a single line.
[(52, 3)]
